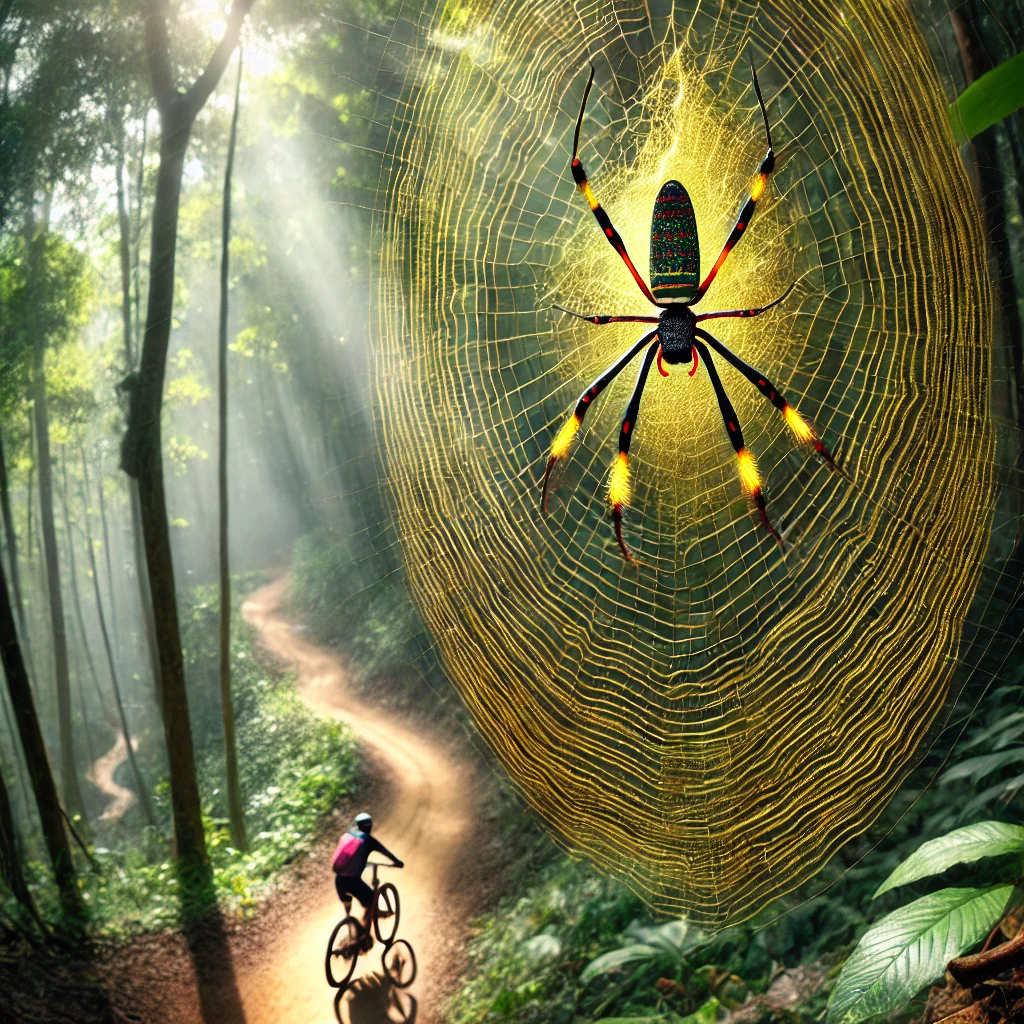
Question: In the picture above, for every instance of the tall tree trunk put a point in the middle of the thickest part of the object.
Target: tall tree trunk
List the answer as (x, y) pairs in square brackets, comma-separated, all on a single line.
[(142, 583), (10, 858), (141, 454), (12, 542), (76, 597), (30, 489), (140, 785), (107, 555), (69, 771), (125, 247), (140, 188), (32, 744), (141, 458), (236, 815)]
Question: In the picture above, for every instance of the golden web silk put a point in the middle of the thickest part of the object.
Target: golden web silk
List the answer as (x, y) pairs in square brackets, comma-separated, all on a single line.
[(675, 248)]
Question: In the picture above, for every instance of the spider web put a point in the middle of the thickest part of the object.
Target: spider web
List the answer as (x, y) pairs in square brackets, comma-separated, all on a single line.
[(712, 724)]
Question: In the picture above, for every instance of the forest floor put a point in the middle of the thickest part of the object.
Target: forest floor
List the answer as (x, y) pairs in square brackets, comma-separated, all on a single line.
[(427, 796)]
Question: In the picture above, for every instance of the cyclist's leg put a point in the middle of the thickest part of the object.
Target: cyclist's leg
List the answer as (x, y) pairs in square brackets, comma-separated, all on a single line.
[(343, 891), (362, 892)]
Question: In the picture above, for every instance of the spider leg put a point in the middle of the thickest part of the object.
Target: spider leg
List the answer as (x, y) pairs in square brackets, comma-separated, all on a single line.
[(749, 476), (564, 438), (744, 312), (801, 429), (620, 489), (607, 319), (583, 184), (756, 191)]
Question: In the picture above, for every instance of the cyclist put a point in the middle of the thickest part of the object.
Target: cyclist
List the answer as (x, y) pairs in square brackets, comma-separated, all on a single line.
[(349, 860)]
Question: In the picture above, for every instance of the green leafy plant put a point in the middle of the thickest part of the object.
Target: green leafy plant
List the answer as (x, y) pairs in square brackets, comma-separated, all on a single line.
[(911, 946)]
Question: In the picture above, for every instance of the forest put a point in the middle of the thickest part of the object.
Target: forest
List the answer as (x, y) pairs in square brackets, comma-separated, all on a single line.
[(289, 531)]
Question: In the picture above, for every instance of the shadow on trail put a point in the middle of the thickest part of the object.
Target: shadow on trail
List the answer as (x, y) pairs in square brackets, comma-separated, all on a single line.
[(374, 999), (207, 939)]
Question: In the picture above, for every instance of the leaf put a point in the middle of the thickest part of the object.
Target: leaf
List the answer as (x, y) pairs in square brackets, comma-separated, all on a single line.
[(978, 767), (993, 792), (988, 100), (963, 845), (994, 730), (910, 947), (617, 958)]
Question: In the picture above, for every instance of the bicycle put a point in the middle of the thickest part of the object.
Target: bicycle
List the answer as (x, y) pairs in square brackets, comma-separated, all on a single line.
[(347, 941)]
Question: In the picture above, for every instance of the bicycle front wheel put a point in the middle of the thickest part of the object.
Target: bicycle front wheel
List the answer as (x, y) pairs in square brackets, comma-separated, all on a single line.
[(399, 962), (343, 951), (385, 918)]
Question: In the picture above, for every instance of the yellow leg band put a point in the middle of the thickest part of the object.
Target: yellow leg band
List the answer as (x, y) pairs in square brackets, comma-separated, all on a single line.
[(620, 489), (749, 476)]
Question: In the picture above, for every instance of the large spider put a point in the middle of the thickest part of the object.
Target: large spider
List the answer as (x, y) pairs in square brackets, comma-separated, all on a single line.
[(675, 268)]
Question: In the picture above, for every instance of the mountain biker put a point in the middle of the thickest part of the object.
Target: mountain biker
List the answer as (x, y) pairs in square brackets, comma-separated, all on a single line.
[(350, 855)]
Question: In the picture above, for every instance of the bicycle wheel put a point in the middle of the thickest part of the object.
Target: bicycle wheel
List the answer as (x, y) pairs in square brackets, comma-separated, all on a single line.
[(385, 918), (343, 951), (399, 962)]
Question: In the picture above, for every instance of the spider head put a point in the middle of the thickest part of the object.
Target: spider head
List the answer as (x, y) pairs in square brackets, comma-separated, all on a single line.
[(675, 330)]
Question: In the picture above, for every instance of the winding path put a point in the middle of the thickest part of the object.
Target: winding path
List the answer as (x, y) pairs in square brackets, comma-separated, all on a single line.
[(428, 821)]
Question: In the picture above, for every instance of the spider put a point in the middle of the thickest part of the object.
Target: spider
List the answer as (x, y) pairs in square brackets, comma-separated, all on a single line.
[(675, 269)]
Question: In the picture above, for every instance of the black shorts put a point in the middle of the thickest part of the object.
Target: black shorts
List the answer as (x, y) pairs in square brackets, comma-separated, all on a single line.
[(350, 885)]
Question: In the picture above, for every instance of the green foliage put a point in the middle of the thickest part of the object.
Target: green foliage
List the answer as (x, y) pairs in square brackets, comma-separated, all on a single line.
[(988, 100), (971, 843), (910, 947), (295, 767)]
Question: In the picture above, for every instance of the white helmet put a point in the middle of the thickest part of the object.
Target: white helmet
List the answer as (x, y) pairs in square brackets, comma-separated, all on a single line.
[(364, 821)]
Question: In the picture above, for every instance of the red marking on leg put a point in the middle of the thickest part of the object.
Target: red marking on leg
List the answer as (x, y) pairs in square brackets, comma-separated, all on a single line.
[(820, 448), (608, 232), (661, 369), (617, 519), (625, 426), (691, 372), (760, 504)]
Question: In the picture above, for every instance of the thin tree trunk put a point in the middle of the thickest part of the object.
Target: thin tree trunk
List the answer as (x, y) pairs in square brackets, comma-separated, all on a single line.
[(29, 546), (76, 597), (10, 859), (125, 246), (32, 744), (69, 772), (139, 194), (236, 815), (107, 557), (140, 785), (12, 541)]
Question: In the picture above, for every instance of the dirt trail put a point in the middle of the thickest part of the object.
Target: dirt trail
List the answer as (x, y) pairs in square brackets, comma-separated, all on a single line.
[(428, 821), (101, 775)]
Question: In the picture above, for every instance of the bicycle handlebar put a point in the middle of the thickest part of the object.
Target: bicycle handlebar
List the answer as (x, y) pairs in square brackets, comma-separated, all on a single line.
[(382, 864)]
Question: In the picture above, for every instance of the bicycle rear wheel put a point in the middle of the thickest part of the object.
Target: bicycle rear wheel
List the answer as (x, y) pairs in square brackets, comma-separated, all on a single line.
[(386, 912), (399, 962), (342, 952)]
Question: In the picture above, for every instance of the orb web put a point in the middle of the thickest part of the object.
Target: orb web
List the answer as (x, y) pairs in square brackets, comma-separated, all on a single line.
[(711, 724)]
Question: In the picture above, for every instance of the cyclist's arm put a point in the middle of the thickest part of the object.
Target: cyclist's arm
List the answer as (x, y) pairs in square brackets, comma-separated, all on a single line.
[(379, 847)]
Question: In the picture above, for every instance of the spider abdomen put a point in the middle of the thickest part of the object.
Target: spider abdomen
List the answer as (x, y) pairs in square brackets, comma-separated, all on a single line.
[(675, 249)]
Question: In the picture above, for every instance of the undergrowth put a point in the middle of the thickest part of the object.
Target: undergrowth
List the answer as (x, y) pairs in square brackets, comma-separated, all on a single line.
[(295, 767)]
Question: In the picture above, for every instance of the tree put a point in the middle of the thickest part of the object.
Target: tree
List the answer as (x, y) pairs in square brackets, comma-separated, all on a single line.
[(32, 744), (236, 815), (54, 301), (141, 456)]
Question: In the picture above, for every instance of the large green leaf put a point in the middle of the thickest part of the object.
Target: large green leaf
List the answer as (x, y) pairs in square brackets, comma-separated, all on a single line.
[(988, 100), (978, 767), (985, 839), (910, 947), (995, 730), (618, 958)]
